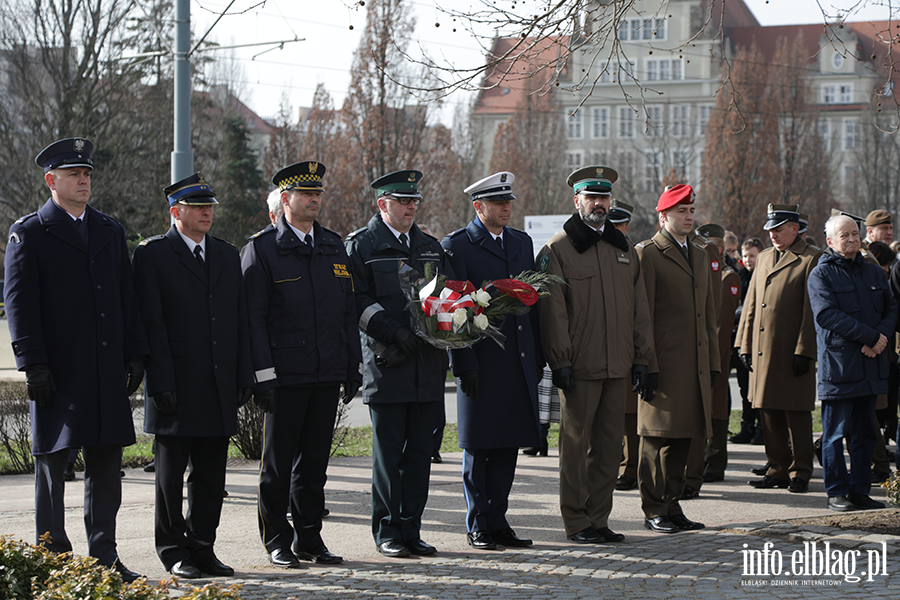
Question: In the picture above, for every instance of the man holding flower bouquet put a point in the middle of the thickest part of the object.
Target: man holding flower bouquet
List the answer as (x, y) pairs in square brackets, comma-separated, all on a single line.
[(402, 375), (497, 385)]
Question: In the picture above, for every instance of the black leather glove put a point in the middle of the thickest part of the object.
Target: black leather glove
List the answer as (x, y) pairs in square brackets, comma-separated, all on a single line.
[(350, 389), (712, 379), (166, 403), (748, 362), (406, 341), (134, 374), (651, 384), (564, 379), (388, 355), (244, 395), (468, 383), (638, 376), (40, 384), (265, 400), (801, 365)]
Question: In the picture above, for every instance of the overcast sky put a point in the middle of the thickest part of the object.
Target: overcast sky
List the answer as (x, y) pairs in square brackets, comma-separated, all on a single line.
[(327, 52)]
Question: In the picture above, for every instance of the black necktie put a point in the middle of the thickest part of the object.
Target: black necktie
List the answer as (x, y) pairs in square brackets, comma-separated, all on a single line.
[(499, 241), (309, 241), (81, 228), (198, 253), (403, 240)]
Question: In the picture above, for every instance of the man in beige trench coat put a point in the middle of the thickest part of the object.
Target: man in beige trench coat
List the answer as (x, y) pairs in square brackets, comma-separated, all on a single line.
[(777, 342), (683, 311)]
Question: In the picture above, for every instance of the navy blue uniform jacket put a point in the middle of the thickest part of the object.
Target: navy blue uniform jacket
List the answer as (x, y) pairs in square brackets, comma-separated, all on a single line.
[(375, 255), (302, 309), (198, 333), (851, 304), (72, 306), (504, 414)]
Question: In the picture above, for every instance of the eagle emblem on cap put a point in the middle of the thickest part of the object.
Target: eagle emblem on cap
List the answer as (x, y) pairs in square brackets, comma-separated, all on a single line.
[(503, 178), (200, 178), (412, 178), (79, 145), (313, 167), (599, 172)]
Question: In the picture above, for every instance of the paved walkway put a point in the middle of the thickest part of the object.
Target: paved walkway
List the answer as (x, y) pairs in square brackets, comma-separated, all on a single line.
[(702, 565)]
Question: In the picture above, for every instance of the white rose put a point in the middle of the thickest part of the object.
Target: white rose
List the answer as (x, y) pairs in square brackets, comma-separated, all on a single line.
[(481, 322), (459, 317), (482, 298)]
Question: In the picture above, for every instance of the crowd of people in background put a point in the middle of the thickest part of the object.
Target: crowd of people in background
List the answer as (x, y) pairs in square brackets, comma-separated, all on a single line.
[(631, 356)]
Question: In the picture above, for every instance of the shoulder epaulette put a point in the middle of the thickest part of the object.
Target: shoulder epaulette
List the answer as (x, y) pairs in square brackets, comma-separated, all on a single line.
[(224, 241), (643, 244), (154, 238), (25, 218), (262, 231), (455, 233), (356, 233)]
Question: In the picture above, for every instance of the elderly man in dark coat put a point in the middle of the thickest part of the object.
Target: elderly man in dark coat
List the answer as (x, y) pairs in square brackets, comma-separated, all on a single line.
[(77, 333), (192, 300), (855, 315), (496, 385)]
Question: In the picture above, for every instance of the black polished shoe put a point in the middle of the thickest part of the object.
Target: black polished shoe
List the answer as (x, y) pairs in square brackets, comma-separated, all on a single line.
[(481, 540), (419, 548), (185, 569), (709, 477), (768, 482), (689, 493), (588, 535), (127, 575), (624, 482), (150, 467), (840, 504), (661, 524), (685, 524), (761, 471), (320, 556), (541, 450), (877, 476), (213, 566), (393, 549), (284, 558), (609, 535), (325, 512), (508, 537), (69, 473), (436, 458), (863, 501), (798, 486)]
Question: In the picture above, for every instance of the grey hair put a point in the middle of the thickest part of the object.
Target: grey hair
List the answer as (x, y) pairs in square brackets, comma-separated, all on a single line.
[(274, 202), (832, 223)]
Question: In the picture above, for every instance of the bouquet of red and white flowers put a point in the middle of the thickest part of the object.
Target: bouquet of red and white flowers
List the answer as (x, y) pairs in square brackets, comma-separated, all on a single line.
[(451, 314)]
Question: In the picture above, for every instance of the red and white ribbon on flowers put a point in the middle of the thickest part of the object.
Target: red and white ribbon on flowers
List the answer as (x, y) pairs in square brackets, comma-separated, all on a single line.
[(444, 305)]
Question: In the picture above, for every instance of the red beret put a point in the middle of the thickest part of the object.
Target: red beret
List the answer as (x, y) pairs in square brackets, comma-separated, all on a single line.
[(679, 194)]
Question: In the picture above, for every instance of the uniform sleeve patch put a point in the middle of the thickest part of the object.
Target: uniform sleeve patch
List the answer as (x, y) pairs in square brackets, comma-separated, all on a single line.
[(715, 266), (544, 263), (735, 290)]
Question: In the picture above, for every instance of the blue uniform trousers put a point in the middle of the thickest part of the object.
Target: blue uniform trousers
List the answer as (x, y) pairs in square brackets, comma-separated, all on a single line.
[(487, 480)]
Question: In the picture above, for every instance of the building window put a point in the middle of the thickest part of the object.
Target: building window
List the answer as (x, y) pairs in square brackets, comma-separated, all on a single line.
[(573, 126), (642, 29), (635, 29), (852, 134), (681, 119), (652, 66), (846, 94), (837, 60), (601, 122), (660, 29), (652, 172), (705, 113), (626, 122), (625, 165), (680, 159), (573, 160), (829, 94), (823, 128), (600, 157), (654, 121), (676, 69), (623, 30), (664, 70), (647, 29)]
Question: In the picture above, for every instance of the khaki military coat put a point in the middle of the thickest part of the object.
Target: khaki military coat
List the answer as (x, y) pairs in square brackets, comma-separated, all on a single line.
[(686, 344), (731, 298), (716, 265), (777, 324), (598, 324)]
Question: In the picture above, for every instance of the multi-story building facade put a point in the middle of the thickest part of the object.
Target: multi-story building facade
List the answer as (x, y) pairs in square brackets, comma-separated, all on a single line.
[(644, 108)]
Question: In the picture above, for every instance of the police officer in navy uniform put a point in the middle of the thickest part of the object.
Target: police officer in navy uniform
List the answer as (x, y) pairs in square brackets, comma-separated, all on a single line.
[(305, 346), (76, 332), (495, 384), (402, 375), (192, 301)]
